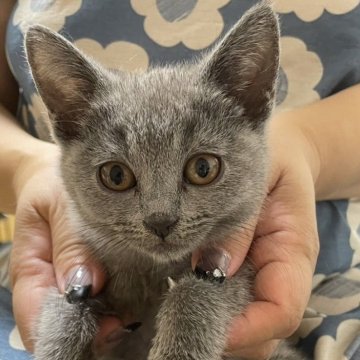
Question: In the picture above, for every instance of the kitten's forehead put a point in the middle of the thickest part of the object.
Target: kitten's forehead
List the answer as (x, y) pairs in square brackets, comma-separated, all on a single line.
[(159, 94), (167, 106)]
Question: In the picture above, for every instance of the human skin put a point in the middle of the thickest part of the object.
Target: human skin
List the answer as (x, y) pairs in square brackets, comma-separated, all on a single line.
[(303, 167)]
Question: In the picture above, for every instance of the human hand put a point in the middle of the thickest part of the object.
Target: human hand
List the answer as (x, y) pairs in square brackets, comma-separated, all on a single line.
[(283, 246), (46, 250)]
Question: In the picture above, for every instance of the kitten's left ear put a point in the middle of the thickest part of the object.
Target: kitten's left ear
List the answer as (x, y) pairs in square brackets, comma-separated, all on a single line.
[(65, 78), (244, 65)]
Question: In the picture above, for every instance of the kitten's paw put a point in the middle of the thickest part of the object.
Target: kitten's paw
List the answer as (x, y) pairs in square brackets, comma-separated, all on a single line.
[(65, 331)]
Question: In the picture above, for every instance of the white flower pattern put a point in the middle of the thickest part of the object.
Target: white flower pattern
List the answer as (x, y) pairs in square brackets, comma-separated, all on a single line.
[(310, 10), (121, 55), (353, 219), (302, 75), (328, 348), (15, 339), (50, 13), (202, 18), (39, 112)]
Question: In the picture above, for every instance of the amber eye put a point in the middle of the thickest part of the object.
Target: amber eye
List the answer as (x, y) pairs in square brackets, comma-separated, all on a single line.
[(116, 176), (202, 169)]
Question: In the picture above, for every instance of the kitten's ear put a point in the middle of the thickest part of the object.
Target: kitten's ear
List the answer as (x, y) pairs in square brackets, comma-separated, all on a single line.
[(65, 79), (245, 63)]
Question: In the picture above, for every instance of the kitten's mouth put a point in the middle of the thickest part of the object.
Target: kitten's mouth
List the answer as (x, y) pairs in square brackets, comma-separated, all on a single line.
[(168, 250), (166, 246)]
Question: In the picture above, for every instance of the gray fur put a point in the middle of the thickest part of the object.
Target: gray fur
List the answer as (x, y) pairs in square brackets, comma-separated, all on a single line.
[(154, 122)]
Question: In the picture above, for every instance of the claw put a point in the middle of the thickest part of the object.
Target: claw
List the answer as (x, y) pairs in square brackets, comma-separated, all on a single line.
[(171, 283)]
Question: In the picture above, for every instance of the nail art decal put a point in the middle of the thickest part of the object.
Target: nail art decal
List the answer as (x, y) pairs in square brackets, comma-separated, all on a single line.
[(79, 285), (77, 293), (216, 275), (132, 327), (213, 265)]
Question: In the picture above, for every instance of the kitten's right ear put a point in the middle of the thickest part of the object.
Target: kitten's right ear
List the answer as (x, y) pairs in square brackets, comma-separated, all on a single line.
[(65, 78)]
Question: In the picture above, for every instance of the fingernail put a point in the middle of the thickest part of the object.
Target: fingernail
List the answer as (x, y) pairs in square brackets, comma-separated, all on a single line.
[(132, 327), (214, 276), (213, 265), (78, 285)]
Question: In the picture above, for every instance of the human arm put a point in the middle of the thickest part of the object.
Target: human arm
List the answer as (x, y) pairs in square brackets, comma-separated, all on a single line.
[(332, 129), (8, 100), (16, 146)]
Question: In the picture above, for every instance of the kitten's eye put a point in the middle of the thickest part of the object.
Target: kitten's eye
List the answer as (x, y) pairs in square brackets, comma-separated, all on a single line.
[(202, 169), (116, 176)]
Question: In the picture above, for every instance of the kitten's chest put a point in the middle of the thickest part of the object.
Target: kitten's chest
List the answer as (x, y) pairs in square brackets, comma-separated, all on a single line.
[(138, 287)]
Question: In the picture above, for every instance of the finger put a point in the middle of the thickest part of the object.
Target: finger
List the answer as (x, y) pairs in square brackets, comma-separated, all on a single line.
[(31, 272), (290, 211), (75, 266), (110, 331), (262, 322), (230, 255), (282, 292), (28, 296), (73, 262)]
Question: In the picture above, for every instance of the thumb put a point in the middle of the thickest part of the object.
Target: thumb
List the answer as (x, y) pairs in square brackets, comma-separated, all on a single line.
[(72, 259), (76, 267), (227, 255)]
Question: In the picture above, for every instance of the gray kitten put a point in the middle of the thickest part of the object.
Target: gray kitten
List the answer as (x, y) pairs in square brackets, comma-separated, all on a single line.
[(157, 165)]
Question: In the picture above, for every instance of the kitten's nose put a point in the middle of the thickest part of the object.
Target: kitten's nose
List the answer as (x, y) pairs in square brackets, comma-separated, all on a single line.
[(160, 224)]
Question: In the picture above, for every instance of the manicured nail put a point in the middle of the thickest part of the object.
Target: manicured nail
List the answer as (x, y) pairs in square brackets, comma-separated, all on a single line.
[(79, 285), (132, 327), (213, 265), (214, 276)]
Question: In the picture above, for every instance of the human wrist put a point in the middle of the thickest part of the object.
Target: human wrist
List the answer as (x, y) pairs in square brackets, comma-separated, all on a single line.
[(38, 156), (295, 141)]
